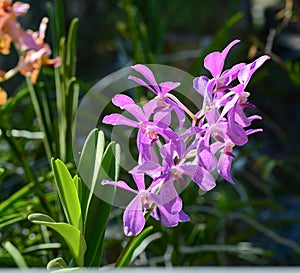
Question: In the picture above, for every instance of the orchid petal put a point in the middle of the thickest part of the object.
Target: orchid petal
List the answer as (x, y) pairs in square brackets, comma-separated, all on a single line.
[(121, 100), (168, 86), (224, 166), (150, 168), (201, 177), (147, 73), (149, 108), (200, 84), (183, 217), (120, 184), (139, 181), (207, 159), (214, 63), (133, 218), (128, 104), (246, 73), (118, 119), (142, 83), (235, 131)]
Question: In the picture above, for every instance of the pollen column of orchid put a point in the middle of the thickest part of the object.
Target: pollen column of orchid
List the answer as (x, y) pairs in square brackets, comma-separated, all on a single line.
[(190, 154)]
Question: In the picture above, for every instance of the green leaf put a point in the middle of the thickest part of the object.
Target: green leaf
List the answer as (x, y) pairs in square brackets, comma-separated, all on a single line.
[(11, 219), (12, 102), (99, 210), (57, 263), (67, 193), (132, 244), (88, 167), (72, 235), (10, 201), (71, 47), (15, 254), (40, 247), (57, 25)]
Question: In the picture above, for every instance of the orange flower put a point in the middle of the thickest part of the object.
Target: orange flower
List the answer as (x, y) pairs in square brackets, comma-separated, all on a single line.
[(32, 61), (3, 96), (10, 29), (36, 52)]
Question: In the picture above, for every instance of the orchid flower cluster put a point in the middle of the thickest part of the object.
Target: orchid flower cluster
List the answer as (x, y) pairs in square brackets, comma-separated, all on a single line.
[(33, 51), (170, 156)]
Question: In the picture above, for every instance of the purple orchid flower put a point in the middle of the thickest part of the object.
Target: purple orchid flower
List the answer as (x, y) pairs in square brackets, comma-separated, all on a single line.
[(162, 100), (160, 196), (214, 62), (175, 164), (149, 131), (204, 148), (225, 158)]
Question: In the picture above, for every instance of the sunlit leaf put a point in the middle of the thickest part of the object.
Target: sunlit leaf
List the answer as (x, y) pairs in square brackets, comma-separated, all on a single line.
[(56, 263), (88, 167), (127, 253), (68, 193), (99, 210), (72, 235)]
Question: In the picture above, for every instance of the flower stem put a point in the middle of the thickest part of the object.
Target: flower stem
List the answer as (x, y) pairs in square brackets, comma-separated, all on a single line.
[(126, 255), (38, 111), (180, 104)]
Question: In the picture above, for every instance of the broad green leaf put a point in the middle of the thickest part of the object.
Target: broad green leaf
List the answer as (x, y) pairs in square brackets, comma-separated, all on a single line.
[(134, 242), (88, 167), (99, 210), (72, 235), (67, 193), (15, 254)]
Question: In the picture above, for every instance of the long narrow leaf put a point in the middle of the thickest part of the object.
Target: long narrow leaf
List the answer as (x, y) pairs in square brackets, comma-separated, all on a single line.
[(72, 93), (11, 219), (72, 235), (68, 193), (99, 210), (89, 165), (71, 48), (60, 87), (15, 254), (131, 246), (24, 191)]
